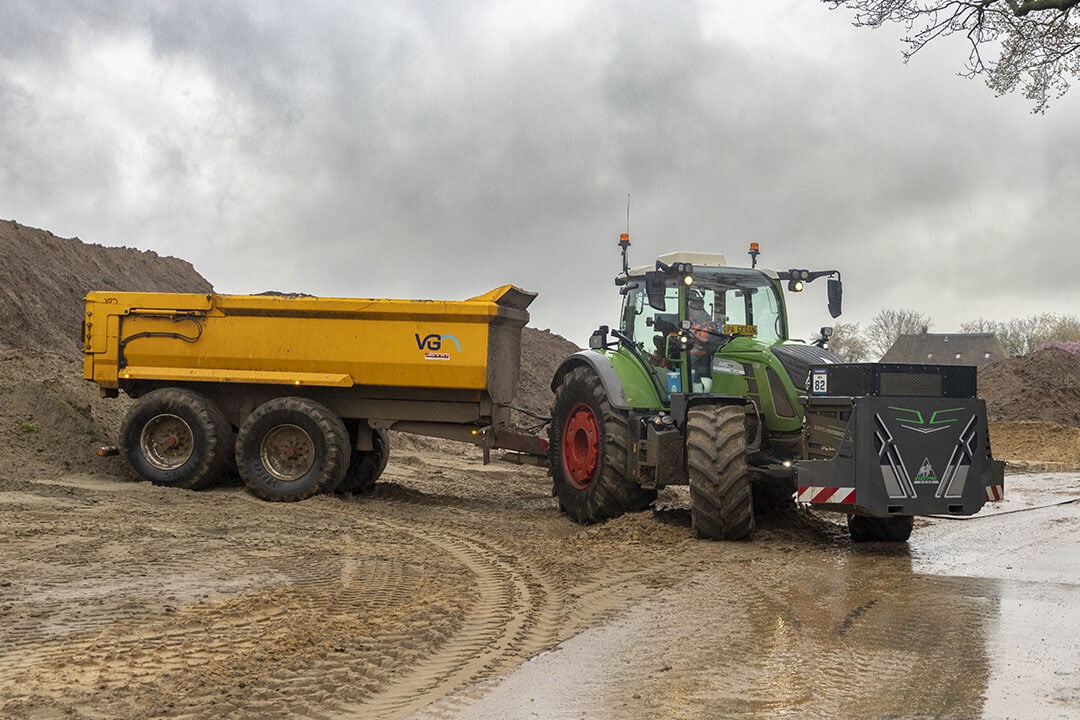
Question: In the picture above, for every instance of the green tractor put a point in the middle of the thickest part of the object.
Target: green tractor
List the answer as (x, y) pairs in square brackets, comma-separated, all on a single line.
[(701, 385)]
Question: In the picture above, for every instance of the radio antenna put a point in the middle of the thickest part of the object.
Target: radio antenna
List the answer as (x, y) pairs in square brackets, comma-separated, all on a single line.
[(624, 239)]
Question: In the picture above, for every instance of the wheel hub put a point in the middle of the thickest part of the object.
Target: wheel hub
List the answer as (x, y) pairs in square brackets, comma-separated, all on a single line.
[(287, 452), (166, 441), (581, 445)]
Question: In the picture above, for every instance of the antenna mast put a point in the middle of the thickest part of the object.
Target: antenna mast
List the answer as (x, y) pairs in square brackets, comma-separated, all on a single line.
[(624, 239)]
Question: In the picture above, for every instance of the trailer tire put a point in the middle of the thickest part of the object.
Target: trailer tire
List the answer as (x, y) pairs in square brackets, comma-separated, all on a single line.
[(721, 502), (291, 448), (176, 437), (367, 465), (588, 451), (896, 528)]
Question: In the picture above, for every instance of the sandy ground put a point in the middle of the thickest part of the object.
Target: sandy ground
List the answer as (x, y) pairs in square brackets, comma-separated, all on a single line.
[(121, 599)]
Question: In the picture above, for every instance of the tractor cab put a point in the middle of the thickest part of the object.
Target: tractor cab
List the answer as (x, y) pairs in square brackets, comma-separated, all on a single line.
[(683, 315)]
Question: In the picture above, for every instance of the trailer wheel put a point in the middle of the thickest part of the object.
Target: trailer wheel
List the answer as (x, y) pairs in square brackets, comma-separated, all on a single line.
[(367, 465), (177, 438), (896, 528), (291, 448), (588, 447), (721, 503)]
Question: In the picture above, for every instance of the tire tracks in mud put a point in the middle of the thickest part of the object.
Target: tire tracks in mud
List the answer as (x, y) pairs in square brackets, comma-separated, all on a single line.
[(193, 654), (215, 603), (517, 614)]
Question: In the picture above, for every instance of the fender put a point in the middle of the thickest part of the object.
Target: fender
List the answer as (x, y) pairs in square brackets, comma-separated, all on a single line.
[(603, 368)]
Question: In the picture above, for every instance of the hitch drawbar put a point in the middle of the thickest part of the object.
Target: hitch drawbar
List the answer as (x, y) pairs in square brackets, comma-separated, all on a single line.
[(890, 439)]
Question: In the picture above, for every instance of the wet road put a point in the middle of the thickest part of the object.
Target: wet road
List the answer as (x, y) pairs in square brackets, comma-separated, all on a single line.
[(975, 618)]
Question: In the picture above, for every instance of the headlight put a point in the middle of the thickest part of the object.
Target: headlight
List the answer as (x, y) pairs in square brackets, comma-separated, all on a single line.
[(730, 367)]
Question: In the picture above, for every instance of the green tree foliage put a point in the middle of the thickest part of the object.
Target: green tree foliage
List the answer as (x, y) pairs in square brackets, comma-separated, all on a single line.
[(888, 325), (1021, 336), (1037, 41)]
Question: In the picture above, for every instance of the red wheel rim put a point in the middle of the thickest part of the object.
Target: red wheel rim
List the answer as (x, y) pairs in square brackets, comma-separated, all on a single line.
[(580, 445)]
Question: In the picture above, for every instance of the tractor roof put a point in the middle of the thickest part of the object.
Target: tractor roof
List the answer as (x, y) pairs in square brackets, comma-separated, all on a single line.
[(694, 258), (697, 259)]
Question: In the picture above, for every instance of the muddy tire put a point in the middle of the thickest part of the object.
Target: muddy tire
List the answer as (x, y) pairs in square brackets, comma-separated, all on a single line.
[(291, 448), (721, 504), (588, 451), (896, 528), (176, 437), (367, 465)]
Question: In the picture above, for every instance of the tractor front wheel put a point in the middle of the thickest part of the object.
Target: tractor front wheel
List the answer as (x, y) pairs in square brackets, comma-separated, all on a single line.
[(589, 441), (721, 504)]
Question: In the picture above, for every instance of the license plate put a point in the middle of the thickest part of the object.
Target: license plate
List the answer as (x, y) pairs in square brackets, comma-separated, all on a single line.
[(750, 330)]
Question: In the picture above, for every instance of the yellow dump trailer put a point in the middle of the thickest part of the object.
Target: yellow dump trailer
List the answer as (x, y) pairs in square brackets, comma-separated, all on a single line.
[(301, 390)]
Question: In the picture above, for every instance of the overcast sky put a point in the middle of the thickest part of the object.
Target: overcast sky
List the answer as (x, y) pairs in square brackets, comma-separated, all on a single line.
[(439, 149)]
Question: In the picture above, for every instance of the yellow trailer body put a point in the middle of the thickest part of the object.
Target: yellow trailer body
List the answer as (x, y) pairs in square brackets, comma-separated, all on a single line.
[(297, 393), (469, 345)]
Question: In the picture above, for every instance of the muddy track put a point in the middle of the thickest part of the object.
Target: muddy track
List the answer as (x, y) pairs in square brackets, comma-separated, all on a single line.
[(517, 614), (350, 569), (154, 601), (123, 600)]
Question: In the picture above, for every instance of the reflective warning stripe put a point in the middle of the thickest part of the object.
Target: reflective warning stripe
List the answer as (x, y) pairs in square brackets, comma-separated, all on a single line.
[(842, 495), (994, 493)]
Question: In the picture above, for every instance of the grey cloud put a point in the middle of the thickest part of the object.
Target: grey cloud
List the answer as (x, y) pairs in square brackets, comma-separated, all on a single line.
[(399, 148)]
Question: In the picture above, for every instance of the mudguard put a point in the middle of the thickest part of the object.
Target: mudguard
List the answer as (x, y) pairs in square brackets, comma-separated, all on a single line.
[(626, 381), (601, 365)]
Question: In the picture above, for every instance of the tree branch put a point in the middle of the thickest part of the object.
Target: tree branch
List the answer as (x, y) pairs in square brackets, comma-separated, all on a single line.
[(1021, 8)]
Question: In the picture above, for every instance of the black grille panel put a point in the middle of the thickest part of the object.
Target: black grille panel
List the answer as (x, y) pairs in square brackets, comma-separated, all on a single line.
[(918, 384), (898, 380)]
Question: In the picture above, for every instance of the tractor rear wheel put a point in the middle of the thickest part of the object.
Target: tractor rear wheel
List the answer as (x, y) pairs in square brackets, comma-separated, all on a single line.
[(721, 504), (896, 528), (367, 465), (291, 448), (589, 441), (176, 437)]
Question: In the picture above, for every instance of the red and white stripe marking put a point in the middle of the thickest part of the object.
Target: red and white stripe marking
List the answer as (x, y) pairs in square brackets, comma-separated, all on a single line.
[(841, 495), (995, 493)]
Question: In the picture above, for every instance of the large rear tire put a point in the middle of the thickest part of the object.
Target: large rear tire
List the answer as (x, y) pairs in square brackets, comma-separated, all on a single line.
[(176, 437), (588, 447), (367, 465), (721, 504), (896, 528), (291, 448)]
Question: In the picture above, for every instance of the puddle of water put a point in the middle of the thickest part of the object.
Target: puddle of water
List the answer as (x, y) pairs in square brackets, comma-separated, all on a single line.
[(972, 619)]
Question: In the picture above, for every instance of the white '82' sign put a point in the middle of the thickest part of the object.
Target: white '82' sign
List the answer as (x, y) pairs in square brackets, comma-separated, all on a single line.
[(819, 383)]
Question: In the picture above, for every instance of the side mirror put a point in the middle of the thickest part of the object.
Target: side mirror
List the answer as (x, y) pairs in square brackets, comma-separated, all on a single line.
[(598, 340), (836, 295), (655, 288)]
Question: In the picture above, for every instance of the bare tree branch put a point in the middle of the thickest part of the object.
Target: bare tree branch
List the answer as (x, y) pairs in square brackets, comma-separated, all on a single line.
[(1037, 41)]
